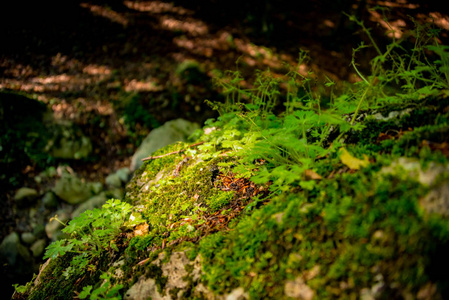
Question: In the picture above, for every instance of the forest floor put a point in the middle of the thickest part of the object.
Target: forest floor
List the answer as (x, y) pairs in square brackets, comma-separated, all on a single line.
[(89, 60)]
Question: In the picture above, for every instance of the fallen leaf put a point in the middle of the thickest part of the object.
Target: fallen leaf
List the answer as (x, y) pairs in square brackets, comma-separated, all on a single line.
[(351, 161), (310, 174), (141, 229)]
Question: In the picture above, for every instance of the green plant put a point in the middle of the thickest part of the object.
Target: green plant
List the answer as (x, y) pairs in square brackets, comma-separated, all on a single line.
[(105, 291), (92, 233)]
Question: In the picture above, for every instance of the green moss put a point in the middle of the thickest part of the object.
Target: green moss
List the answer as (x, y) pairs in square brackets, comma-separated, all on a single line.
[(354, 229), (220, 201), (60, 287), (153, 271)]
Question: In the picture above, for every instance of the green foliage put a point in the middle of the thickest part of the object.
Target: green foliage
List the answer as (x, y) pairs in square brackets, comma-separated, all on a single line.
[(92, 233), (220, 201), (105, 291), (324, 222), (326, 230)]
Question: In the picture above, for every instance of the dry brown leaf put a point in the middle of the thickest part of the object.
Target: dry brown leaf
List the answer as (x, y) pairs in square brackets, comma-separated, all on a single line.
[(310, 174)]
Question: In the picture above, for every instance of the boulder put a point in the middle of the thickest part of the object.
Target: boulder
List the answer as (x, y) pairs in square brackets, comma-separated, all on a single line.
[(171, 132)]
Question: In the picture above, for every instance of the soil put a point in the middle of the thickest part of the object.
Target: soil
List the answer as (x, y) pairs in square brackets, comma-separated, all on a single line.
[(85, 60)]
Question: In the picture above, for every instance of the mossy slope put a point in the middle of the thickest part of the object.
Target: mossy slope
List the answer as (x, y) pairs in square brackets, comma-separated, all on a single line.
[(352, 234)]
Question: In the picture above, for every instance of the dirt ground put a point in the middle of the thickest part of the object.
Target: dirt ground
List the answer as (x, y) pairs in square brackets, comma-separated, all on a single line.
[(84, 58)]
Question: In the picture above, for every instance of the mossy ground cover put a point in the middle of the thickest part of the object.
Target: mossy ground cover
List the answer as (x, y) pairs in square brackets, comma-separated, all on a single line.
[(299, 202)]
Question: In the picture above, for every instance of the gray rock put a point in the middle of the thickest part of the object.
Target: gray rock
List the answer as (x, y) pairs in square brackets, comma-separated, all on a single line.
[(123, 174), (94, 202), (96, 187), (237, 294), (24, 196), (49, 200), (28, 238), (71, 189), (412, 167), (298, 289), (171, 132), (175, 271), (14, 253), (113, 180), (144, 289), (38, 247)]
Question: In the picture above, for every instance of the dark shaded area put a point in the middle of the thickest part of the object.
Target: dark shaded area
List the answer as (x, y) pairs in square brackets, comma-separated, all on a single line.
[(22, 135)]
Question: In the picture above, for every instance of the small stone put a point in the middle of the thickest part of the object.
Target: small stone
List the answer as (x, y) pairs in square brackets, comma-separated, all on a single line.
[(123, 174), (366, 294), (25, 196), (38, 247), (49, 200), (28, 238), (32, 213), (237, 294), (278, 217), (298, 289), (378, 234), (13, 252), (72, 189), (96, 187), (312, 273), (113, 180)]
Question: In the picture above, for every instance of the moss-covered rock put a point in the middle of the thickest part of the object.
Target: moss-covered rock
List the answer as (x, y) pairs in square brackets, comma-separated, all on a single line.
[(370, 225)]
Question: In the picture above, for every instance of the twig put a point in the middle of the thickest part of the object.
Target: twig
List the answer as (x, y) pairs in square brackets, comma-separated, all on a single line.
[(170, 153)]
